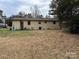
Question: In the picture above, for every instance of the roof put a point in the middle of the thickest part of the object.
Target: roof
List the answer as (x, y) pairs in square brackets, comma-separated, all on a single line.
[(33, 19)]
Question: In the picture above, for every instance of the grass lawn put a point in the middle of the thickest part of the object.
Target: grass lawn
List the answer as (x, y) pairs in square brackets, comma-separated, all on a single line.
[(19, 33), (38, 44)]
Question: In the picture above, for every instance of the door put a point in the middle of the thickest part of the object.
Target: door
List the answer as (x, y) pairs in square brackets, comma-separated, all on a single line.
[(21, 25)]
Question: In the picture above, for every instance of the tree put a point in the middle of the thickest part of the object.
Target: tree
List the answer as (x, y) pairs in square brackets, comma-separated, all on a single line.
[(54, 6), (22, 13), (35, 11), (29, 15), (47, 16), (68, 11), (40, 16)]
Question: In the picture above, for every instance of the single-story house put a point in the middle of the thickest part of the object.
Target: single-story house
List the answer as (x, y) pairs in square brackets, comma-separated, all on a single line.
[(34, 23)]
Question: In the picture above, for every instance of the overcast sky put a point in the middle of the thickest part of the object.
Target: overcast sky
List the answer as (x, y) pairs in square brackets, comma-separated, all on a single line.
[(11, 7)]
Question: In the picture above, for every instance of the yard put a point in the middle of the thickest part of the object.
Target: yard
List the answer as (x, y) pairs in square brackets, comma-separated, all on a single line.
[(36, 44)]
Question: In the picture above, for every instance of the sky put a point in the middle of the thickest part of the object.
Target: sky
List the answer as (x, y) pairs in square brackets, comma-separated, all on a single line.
[(12, 7)]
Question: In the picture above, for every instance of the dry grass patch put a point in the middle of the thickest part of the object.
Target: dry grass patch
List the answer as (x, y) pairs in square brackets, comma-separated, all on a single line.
[(48, 44)]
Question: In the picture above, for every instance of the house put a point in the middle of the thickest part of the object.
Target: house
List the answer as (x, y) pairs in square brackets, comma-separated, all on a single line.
[(31, 23), (2, 19)]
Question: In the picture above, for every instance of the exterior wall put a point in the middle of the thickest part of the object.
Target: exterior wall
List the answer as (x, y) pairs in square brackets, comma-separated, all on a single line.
[(16, 24), (34, 25), (44, 26), (51, 25)]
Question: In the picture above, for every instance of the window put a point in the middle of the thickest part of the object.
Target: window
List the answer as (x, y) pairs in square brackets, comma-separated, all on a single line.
[(39, 22), (45, 21), (54, 22), (40, 28), (28, 22)]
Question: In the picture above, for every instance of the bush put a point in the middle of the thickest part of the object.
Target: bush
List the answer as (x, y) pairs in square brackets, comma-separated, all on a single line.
[(74, 29)]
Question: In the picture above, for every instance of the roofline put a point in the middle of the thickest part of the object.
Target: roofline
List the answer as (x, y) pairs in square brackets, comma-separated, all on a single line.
[(32, 19)]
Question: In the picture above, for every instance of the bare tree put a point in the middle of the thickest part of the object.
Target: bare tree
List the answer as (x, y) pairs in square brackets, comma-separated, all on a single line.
[(35, 11)]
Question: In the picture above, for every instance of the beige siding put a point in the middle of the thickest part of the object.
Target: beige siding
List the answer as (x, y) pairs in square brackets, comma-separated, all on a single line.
[(50, 25), (43, 25), (25, 24), (16, 24)]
